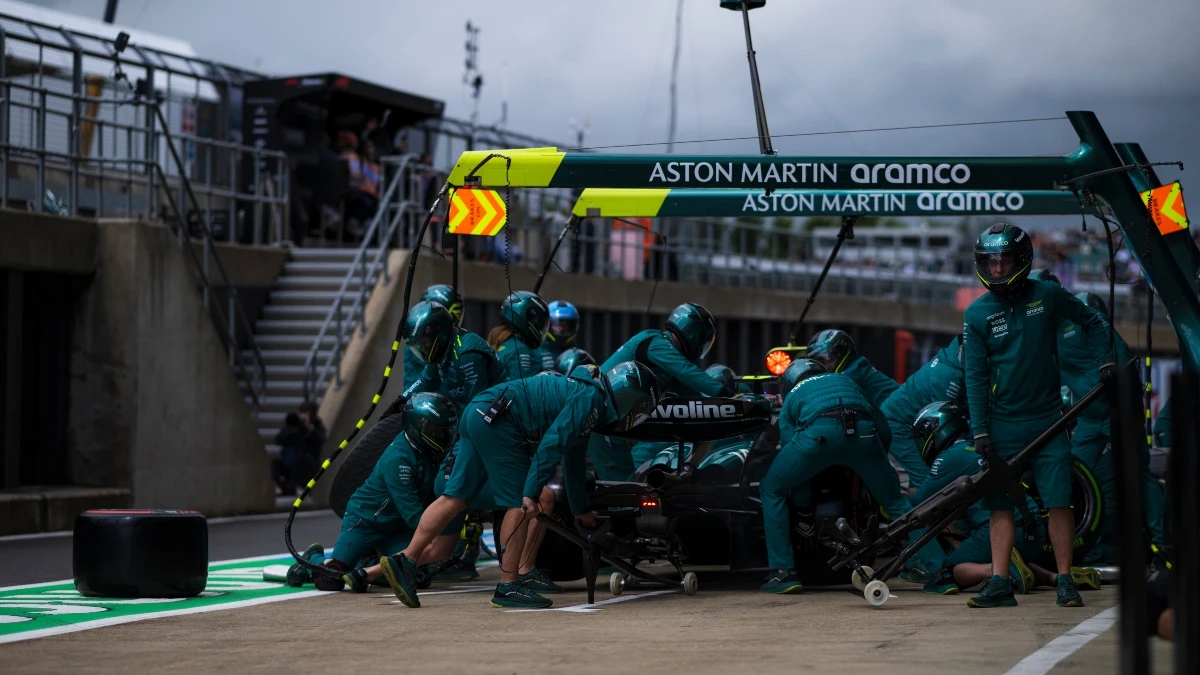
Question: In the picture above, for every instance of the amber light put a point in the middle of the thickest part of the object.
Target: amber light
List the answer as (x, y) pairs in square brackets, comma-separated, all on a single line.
[(778, 361)]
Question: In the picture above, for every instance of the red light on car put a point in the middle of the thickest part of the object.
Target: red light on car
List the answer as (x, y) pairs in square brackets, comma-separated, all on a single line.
[(778, 361), (649, 503)]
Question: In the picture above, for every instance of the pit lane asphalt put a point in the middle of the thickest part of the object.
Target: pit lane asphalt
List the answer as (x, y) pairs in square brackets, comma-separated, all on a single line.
[(48, 558)]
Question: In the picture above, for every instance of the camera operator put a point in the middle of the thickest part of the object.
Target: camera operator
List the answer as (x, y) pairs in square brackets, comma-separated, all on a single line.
[(300, 442)]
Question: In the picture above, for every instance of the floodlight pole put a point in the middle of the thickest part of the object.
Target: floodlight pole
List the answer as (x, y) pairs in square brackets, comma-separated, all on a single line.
[(760, 110)]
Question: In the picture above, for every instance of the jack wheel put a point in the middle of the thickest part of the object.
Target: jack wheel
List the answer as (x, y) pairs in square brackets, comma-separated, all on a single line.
[(876, 593), (690, 583), (616, 583), (860, 582)]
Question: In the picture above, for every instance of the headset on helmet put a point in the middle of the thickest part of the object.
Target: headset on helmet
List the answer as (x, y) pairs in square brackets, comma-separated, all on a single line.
[(443, 294), (527, 315), (834, 348), (695, 329), (1009, 250), (937, 427), (571, 359), (635, 393), (430, 422), (800, 370), (429, 331)]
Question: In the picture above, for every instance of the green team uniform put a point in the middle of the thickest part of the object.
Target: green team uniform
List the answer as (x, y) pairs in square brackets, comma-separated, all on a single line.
[(939, 380), (813, 439), (469, 367), (520, 361), (412, 368), (384, 511), (616, 459), (1011, 373), (877, 386), (959, 460), (548, 421), (556, 346)]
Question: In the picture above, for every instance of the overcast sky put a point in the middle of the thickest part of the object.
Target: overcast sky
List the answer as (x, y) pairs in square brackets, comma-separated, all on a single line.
[(826, 65)]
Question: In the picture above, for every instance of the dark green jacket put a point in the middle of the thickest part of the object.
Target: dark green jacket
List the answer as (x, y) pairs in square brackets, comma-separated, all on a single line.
[(412, 368), (939, 380), (877, 386), (468, 368), (1010, 352), (394, 496), (1080, 368), (520, 361), (554, 346), (674, 372), (821, 393)]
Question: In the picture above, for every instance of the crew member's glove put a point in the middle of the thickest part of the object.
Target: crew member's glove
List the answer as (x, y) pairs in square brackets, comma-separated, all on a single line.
[(983, 446), (1108, 373)]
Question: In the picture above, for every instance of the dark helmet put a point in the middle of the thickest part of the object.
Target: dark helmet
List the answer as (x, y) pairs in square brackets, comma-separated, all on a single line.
[(800, 370), (571, 359), (429, 331), (430, 422), (564, 321), (1011, 250), (937, 427), (635, 392), (1094, 301), (695, 329), (724, 375), (1044, 275), (527, 315), (442, 293), (832, 347)]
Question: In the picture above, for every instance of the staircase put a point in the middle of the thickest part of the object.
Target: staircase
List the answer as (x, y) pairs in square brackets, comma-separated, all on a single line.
[(296, 308)]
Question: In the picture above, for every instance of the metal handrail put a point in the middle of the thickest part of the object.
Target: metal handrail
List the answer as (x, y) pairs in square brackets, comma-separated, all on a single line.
[(360, 269)]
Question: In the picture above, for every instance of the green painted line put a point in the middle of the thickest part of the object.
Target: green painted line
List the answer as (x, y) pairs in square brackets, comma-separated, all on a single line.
[(41, 610)]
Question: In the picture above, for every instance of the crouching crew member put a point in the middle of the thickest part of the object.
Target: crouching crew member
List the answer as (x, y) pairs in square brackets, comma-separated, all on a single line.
[(1010, 365), (520, 431), (939, 380), (836, 351), (826, 421)]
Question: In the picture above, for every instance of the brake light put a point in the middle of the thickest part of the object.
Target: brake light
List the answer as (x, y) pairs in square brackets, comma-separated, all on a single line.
[(778, 361), (649, 502)]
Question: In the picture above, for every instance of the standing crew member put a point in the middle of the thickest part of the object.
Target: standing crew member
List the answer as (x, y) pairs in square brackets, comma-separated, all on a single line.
[(1010, 349), (835, 350), (524, 319), (564, 327), (521, 430), (940, 379), (826, 421), (445, 296)]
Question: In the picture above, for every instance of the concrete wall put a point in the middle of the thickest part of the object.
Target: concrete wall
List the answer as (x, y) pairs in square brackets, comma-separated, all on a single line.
[(155, 406), (39, 242)]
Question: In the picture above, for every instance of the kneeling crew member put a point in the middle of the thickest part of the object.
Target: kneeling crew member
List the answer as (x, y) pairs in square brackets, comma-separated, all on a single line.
[(1010, 363), (826, 421), (521, 430)]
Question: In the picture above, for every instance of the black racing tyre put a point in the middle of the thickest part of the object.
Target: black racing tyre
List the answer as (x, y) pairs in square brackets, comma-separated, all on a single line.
[(858, 506), (129, 553), (361, 461)]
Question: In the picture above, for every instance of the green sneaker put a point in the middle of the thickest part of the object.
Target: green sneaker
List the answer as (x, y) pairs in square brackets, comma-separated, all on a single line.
[(782, 582), (539, 582), (943, 584), (1068, 594), (401, 574), (1086, 577), (297, 574), (996, 592), (519, 596), (463, 571), (356, 579), (1019, 572)]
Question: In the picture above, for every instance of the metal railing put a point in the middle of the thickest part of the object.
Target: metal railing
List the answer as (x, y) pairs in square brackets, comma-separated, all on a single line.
[(393, 225)]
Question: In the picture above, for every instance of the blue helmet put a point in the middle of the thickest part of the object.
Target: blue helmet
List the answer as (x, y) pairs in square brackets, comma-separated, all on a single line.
[(564, 322), (527, 315)]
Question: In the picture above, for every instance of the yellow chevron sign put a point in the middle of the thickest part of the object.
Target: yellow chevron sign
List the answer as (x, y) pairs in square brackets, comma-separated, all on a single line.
[(477, 212), (1168, 211)]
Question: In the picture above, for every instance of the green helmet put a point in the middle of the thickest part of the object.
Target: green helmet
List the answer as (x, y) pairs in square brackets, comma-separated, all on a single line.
[(429, 422), (1044, 275), (635, 392), (442, 293), (800, 370), (833, 348), (571, 359), (695, 329), (1003, 257), (1094, 301), (937, 427), (529, 317), (724, 375), (429, 331)]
